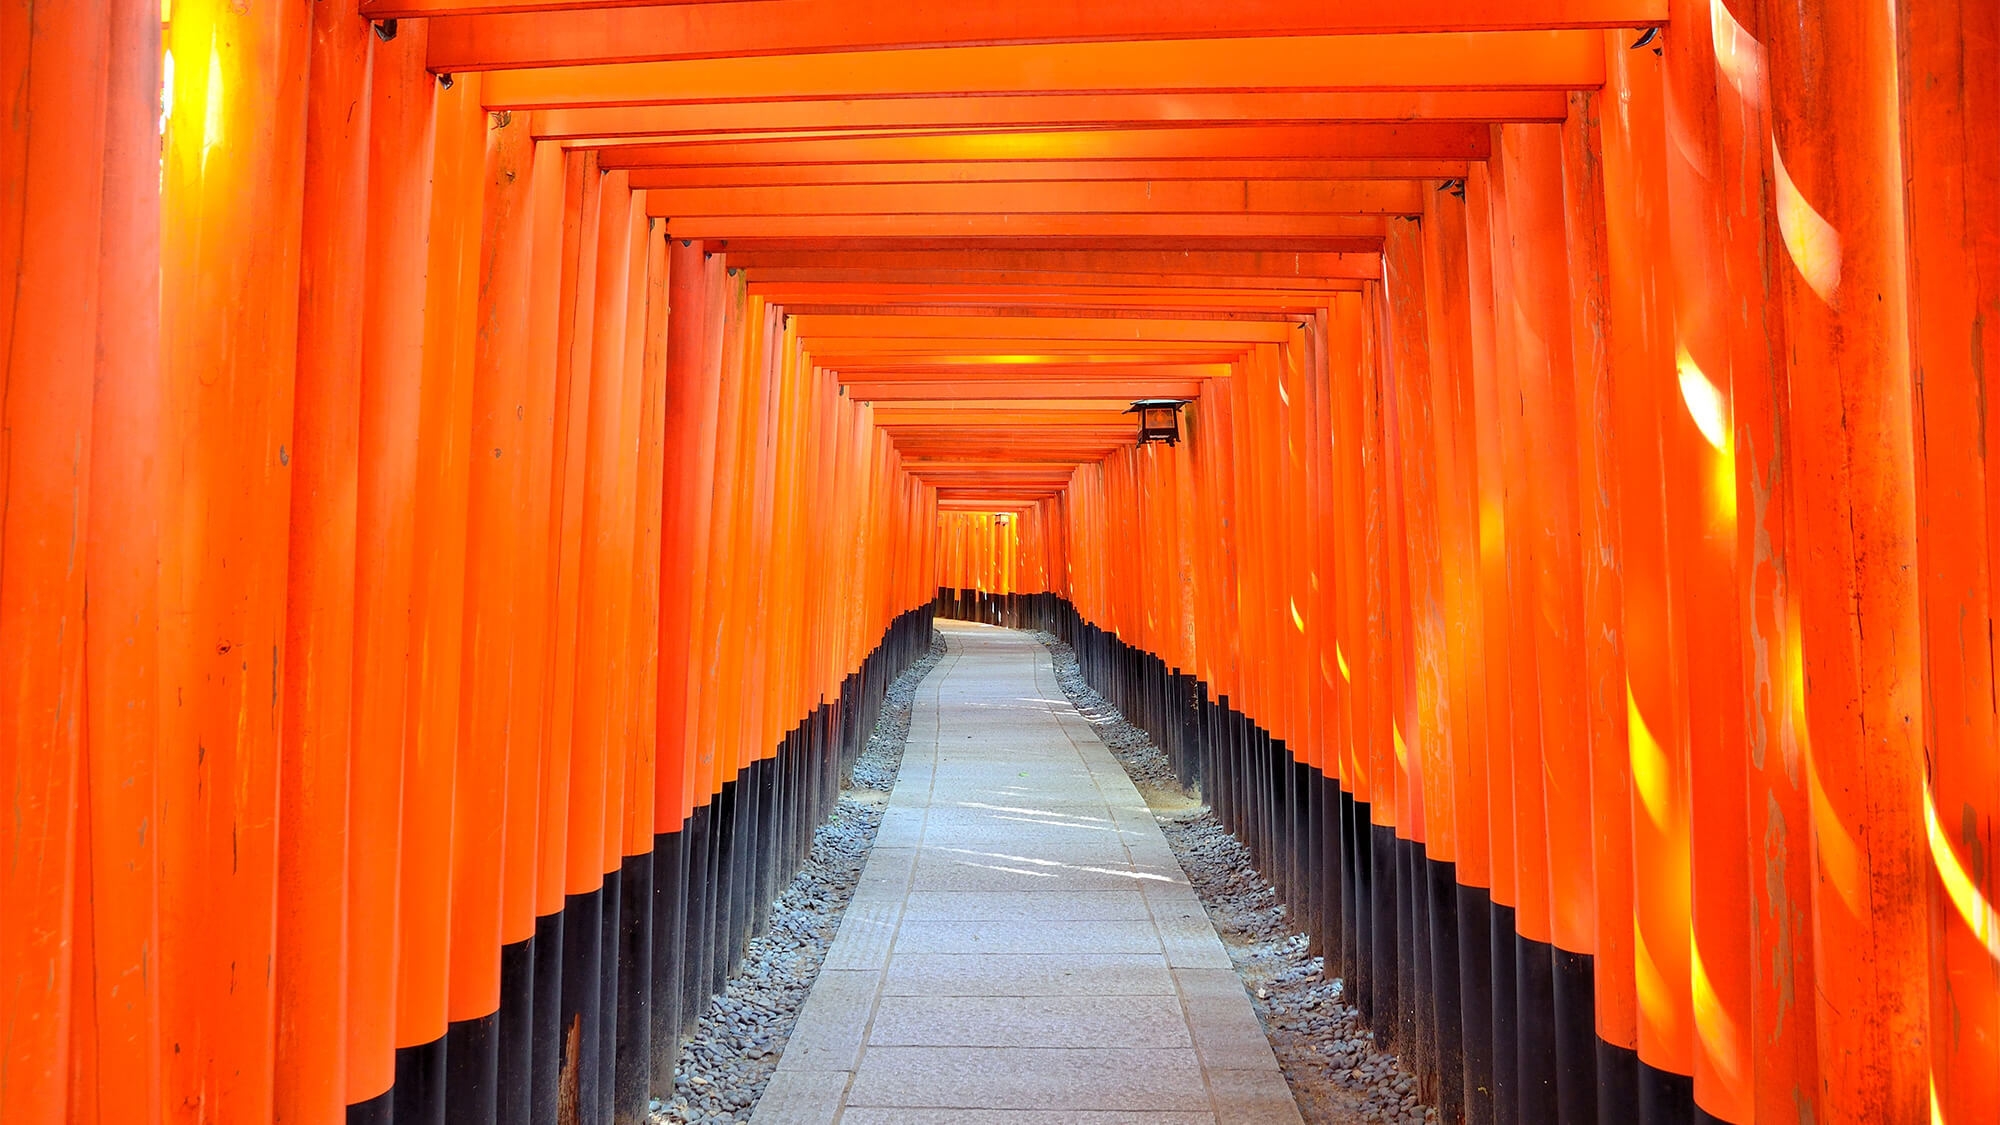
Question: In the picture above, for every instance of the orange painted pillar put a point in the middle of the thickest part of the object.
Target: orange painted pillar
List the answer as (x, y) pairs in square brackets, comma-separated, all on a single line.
[(431, 733), (122, 554), (1642, 372), (686, 412), (1950, 84), (1467, 729), (527, 911), (1548, 378), (1519, 331), (1602, 563), (1838, 188), (495, 534), (640, 986), (1489, 487), (1330, 732), (1380, 666), (1343, 358), (1699, 456), (574, 309), (55, 63), (1777, 1029), (318, 697), (1521, 896), (233, 171), (635, 671), (391, 377), (714, 642), (689, 415), (596, 762), (1430, 708), (706, 335)]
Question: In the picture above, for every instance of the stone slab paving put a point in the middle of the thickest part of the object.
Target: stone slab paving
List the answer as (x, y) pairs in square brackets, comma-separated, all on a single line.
[(1023, 948)]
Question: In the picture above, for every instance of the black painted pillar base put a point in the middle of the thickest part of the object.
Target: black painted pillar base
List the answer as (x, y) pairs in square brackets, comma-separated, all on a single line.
[(420, 1083), (1617, 1083), (1386, 974), (378, 1110), (1576, 1037), (1447, 1006), (545, 1077), (1475, 1000), (516, 1057), (580, 1027), (1535, 1030), (1665, 1098), (1506, 1018), (669, 954), (472, 1071), (632, 1070)]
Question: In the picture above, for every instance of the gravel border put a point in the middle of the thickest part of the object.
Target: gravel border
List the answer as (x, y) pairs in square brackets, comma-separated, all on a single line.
[(725, 1066), (1327, 1053)]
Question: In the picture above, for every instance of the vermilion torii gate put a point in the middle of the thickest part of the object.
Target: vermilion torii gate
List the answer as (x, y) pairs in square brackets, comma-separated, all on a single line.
[(468, 469)]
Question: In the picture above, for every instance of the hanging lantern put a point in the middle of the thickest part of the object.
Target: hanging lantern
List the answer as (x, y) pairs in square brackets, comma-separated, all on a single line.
[(1159, 419)]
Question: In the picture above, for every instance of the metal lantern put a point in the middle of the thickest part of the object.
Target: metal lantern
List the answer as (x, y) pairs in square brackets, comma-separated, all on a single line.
[(1159, 419)]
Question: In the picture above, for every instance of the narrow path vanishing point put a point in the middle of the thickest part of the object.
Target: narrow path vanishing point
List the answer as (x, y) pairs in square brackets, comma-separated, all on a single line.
[(1023, 947)]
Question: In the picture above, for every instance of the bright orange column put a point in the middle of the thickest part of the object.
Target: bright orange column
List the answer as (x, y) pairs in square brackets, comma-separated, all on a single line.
[(315, 768), (1838, 189), (122, 554), (1697, 442), (1641, 363), (1950, 84), (49, 233), (391, 376), (536, 521), (231, 182), (496, 531), (437, 606), (1489, 496), (1602, 563), (555, 877)]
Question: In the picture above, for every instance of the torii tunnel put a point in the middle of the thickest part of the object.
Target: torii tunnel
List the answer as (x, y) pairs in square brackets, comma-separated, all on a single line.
[(469, 468)]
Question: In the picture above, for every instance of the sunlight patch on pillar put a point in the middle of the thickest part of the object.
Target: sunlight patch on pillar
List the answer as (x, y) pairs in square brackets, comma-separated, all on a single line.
[(1649, 764), (1717, 1031), (211, 125), (1704, 403), (1959, 886), (1655, 998), (1738, 55), (1810, 240)]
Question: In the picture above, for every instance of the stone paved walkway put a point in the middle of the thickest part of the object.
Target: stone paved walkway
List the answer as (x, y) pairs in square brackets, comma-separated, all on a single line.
[(1023, 948)]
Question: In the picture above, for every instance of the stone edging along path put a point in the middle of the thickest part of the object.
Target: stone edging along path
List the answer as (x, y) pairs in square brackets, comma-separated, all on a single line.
[(725, 1067), (1326, 1052)]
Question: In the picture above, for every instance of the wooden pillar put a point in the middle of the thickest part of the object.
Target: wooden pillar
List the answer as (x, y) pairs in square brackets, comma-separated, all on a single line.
[(311, 960), (1602, 561), (1950, 85), (1839, 194), (391, 377), (122, 556), (1642, 373), (231, 182), (431, 731)]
